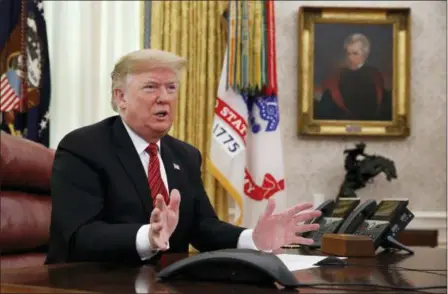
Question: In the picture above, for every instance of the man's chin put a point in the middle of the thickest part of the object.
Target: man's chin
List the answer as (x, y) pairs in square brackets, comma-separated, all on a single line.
[(353, 67), (161, 128)]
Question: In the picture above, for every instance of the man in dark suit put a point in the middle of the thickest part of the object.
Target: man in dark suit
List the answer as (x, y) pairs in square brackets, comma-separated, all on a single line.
[(123, 189), (356, 91)]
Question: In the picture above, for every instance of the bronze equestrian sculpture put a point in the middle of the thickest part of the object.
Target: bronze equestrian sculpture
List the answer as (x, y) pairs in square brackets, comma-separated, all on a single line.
[(359, 172)]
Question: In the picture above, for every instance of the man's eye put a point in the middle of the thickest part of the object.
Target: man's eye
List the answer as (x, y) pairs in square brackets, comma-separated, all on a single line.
[(151, 87)]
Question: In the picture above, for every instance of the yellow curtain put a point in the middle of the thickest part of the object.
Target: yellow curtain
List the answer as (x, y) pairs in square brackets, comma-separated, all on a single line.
[(195, 30)]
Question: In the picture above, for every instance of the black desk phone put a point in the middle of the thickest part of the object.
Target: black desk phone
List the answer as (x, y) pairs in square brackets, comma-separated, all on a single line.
[(232, 266), (380, 222), (332, 217)]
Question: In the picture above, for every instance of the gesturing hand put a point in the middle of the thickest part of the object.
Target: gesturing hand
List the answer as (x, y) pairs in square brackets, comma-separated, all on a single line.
[(275, 231), (164, 220)]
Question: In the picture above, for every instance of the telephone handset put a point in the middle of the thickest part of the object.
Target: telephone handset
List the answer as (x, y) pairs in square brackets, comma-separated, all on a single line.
[(326, 208), (380, 222), (356, 218), (333, 214)]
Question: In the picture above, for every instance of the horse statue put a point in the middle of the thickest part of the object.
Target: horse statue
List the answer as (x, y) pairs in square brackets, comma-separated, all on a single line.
[(359, 172)]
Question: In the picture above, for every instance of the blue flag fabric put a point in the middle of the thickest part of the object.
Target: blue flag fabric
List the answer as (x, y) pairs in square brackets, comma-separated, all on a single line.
[(25, 85)]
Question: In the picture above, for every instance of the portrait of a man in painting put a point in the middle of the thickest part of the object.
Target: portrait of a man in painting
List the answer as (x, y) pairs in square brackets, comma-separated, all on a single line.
[(353, 66)]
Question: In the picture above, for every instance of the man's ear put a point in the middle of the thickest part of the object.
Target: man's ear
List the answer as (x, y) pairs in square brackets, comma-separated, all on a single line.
[(120, 98)]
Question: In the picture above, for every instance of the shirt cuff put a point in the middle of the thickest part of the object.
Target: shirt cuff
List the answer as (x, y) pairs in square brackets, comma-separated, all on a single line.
[(246, 241), (144, 248)]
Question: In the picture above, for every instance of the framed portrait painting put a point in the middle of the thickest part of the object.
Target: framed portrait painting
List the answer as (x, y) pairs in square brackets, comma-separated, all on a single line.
[(354, 71)]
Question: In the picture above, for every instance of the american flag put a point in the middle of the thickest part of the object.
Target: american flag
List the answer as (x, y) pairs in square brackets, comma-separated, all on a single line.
[(8, 97)]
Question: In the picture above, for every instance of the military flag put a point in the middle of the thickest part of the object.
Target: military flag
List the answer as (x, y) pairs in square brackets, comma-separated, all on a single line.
[(246, 153), (24, 70)]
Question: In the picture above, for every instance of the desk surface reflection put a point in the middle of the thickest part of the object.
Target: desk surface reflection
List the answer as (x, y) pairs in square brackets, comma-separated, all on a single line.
[(109, 278)]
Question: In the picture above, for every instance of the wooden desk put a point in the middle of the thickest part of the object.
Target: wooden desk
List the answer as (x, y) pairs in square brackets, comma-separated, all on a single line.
[(107, 278)]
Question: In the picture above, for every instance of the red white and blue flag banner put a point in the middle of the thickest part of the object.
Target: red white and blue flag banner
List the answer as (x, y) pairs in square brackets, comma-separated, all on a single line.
[(25, 80), (246, 153)]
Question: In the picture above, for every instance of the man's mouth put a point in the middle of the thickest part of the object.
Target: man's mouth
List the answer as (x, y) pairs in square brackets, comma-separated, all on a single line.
[(161, 114)]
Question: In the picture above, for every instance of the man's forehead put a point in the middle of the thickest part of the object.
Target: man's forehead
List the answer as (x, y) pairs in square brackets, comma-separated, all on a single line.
[(356, 44), (161, 76)]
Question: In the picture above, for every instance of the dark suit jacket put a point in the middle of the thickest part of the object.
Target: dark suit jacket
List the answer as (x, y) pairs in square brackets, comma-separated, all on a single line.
[(101, 197), (355, 95)]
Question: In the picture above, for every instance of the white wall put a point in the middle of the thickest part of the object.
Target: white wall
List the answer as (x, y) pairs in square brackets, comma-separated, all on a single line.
[(315, 166)]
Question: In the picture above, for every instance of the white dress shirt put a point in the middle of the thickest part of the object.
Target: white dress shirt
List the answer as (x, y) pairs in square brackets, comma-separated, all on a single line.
[(143, 245)]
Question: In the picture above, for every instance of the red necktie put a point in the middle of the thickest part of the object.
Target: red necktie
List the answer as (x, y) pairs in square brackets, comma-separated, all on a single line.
[(154, 178)]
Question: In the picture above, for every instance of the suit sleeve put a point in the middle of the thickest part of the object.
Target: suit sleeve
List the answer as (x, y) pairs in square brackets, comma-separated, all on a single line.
[(210, 233), (78, 217)]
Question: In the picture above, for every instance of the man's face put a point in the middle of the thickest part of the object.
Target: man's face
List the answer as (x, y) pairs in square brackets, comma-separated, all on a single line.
[(147, 102), (355, 55)]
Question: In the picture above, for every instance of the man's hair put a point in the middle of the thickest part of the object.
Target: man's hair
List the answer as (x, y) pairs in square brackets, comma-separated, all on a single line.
[(361, 39), (142, 61)]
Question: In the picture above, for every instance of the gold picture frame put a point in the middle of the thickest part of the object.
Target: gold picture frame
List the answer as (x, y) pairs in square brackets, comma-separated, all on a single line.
[(325, 31)]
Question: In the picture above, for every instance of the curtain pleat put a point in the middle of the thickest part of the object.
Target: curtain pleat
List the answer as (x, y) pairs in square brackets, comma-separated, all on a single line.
[(85, 39)]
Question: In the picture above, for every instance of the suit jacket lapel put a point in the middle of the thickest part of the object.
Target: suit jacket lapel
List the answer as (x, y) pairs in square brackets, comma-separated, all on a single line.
[(175, 174), (132, 164), (171, 164)]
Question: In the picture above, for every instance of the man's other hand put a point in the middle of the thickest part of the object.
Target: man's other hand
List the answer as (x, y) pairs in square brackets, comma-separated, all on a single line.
[(164, 220), (275, 230)]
